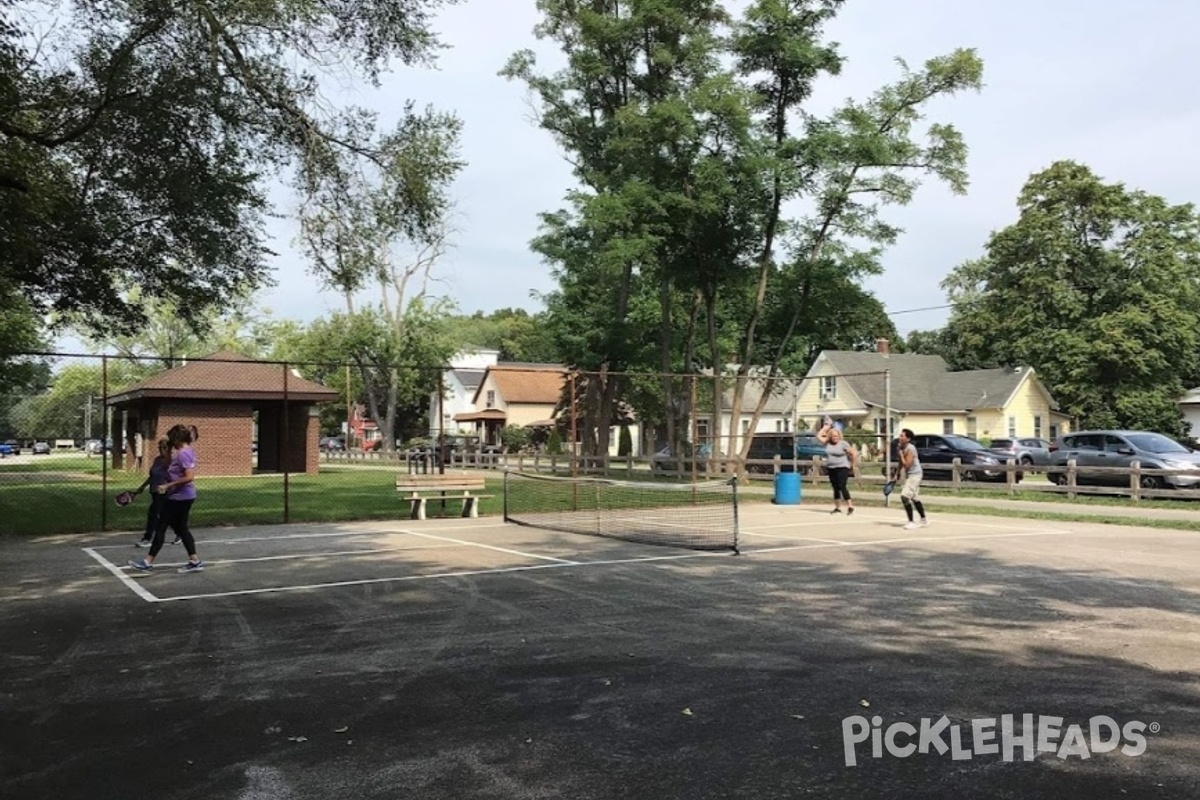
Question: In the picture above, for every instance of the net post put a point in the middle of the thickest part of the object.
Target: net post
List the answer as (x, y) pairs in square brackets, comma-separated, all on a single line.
[(506, 471), (574, 443), (104, 434), (736, 535), (694, 432), (887, 424)]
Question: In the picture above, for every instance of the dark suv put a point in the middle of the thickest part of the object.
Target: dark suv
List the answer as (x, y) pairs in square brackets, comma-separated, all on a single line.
[(788, 446), (937, 454)]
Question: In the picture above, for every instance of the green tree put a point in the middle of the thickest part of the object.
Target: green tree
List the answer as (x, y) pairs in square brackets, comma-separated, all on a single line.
[(692, 144), (385, 227), (135, 138), (1097, 287)]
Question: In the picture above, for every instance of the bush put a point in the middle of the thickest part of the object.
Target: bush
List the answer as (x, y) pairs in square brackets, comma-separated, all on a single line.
[(554, 445), (515, 438), (624, 442)]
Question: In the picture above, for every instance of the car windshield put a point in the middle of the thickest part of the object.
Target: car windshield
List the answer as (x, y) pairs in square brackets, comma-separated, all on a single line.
[(1155, 443), (1002, 443), (963, 443)]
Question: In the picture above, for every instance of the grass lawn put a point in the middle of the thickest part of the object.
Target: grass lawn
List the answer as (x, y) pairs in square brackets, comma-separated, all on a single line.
[(62, 494), (63, 503)]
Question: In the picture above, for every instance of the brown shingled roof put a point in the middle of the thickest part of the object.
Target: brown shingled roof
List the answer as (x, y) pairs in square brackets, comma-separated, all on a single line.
[(526, 383), (226, 375)]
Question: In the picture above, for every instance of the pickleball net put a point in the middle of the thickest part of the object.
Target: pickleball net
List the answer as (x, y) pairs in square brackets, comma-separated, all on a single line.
[(695, 516)]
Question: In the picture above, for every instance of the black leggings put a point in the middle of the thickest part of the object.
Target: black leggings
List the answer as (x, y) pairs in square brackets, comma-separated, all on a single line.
[(840, 478), (174, 516)]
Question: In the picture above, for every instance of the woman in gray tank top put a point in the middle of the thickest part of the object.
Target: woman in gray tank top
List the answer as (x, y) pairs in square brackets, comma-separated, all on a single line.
[(840, 457)]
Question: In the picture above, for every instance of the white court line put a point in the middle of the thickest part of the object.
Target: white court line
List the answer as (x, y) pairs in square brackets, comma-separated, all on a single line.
[(279, 537), (124, 578), (912, 539), (490, 547), (435, 575), (790, 538), (572, 564)]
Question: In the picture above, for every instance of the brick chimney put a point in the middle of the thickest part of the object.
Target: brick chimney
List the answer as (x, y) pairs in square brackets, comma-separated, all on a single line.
[(881, 346)]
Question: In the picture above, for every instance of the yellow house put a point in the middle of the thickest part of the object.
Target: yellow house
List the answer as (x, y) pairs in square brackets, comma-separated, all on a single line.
[(924, 395)]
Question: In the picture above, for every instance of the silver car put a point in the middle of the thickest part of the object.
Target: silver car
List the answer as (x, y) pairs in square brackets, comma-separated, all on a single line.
[(1027, 451), (1120, 449)]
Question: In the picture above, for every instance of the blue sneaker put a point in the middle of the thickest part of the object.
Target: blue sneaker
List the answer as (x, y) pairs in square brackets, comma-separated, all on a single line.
[(141, 565), (192, 566)]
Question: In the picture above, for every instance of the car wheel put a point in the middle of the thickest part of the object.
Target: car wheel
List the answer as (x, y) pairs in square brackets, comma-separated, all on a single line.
[(1026, 461), (970, 475), (1151, 482), (1058, 478)]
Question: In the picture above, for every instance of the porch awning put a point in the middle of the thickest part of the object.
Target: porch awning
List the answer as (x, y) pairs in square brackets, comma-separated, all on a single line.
[(487, 415)]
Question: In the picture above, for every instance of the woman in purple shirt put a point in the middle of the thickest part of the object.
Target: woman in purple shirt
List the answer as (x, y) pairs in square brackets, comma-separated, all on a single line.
[(180, 493)]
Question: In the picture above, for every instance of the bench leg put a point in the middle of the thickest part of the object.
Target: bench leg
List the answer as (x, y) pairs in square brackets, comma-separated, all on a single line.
[(418, 507), (470, 508)]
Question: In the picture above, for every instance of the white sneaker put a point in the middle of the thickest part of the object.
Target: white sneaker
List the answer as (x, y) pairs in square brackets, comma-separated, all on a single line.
[(924, 522), (911, 526)]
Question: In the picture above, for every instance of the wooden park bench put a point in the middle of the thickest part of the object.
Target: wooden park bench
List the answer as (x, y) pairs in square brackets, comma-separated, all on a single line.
[(417, 489)]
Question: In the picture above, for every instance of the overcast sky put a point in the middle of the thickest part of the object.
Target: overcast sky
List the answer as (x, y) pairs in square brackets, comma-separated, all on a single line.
[(1102, 83)]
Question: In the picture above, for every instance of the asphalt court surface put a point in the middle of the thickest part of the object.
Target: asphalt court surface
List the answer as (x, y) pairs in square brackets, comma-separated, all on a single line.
[(259, 559), (452, 658)]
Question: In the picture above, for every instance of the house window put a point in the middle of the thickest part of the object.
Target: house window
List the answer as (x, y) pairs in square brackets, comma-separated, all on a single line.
[(1053, 431), (1037, 426), (948, 426), (972, 426), (829, 387), (491, 398), (745, 426), (702, 430), (780, 425), (1012, 427)]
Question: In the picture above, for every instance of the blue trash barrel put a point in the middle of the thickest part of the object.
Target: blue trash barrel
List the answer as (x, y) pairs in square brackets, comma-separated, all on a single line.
[(787, 489)]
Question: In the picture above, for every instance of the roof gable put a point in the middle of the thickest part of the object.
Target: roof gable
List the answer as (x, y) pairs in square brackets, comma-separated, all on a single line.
[(925, 382), (227, 372), (533, 384)]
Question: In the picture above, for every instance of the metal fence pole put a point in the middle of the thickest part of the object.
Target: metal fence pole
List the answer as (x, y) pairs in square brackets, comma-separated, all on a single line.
[(286, 448)]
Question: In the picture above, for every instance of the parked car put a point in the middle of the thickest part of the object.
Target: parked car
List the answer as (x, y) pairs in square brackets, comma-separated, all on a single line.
[(6, 449), (937, 454), (40, 449), (1120, 449), (332, 443), (13, 446), (663, 461), (788, 446), (1029, 451)]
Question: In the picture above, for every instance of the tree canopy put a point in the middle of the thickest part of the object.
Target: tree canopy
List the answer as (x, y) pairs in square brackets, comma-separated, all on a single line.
[(1096, 286), (715, 210), (136, 137)]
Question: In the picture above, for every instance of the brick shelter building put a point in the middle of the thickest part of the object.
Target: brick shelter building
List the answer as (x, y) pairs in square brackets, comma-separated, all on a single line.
[(233, 401)]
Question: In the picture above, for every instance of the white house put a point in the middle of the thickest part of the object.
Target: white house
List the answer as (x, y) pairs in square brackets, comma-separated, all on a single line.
[(459, 383), (778, 414), (1189, 404)]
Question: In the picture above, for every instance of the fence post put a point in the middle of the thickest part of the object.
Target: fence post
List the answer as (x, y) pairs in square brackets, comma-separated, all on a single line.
[(1071, 478), (955, 475), (777, 464), (816, 470), (1011, 476), (1135, 479)]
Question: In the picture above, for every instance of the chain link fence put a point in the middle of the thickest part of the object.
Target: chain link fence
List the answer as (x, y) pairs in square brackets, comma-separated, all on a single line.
[(287, 442)]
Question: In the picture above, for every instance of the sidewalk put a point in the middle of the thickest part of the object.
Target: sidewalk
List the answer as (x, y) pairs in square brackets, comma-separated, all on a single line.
[(1144, 510)]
